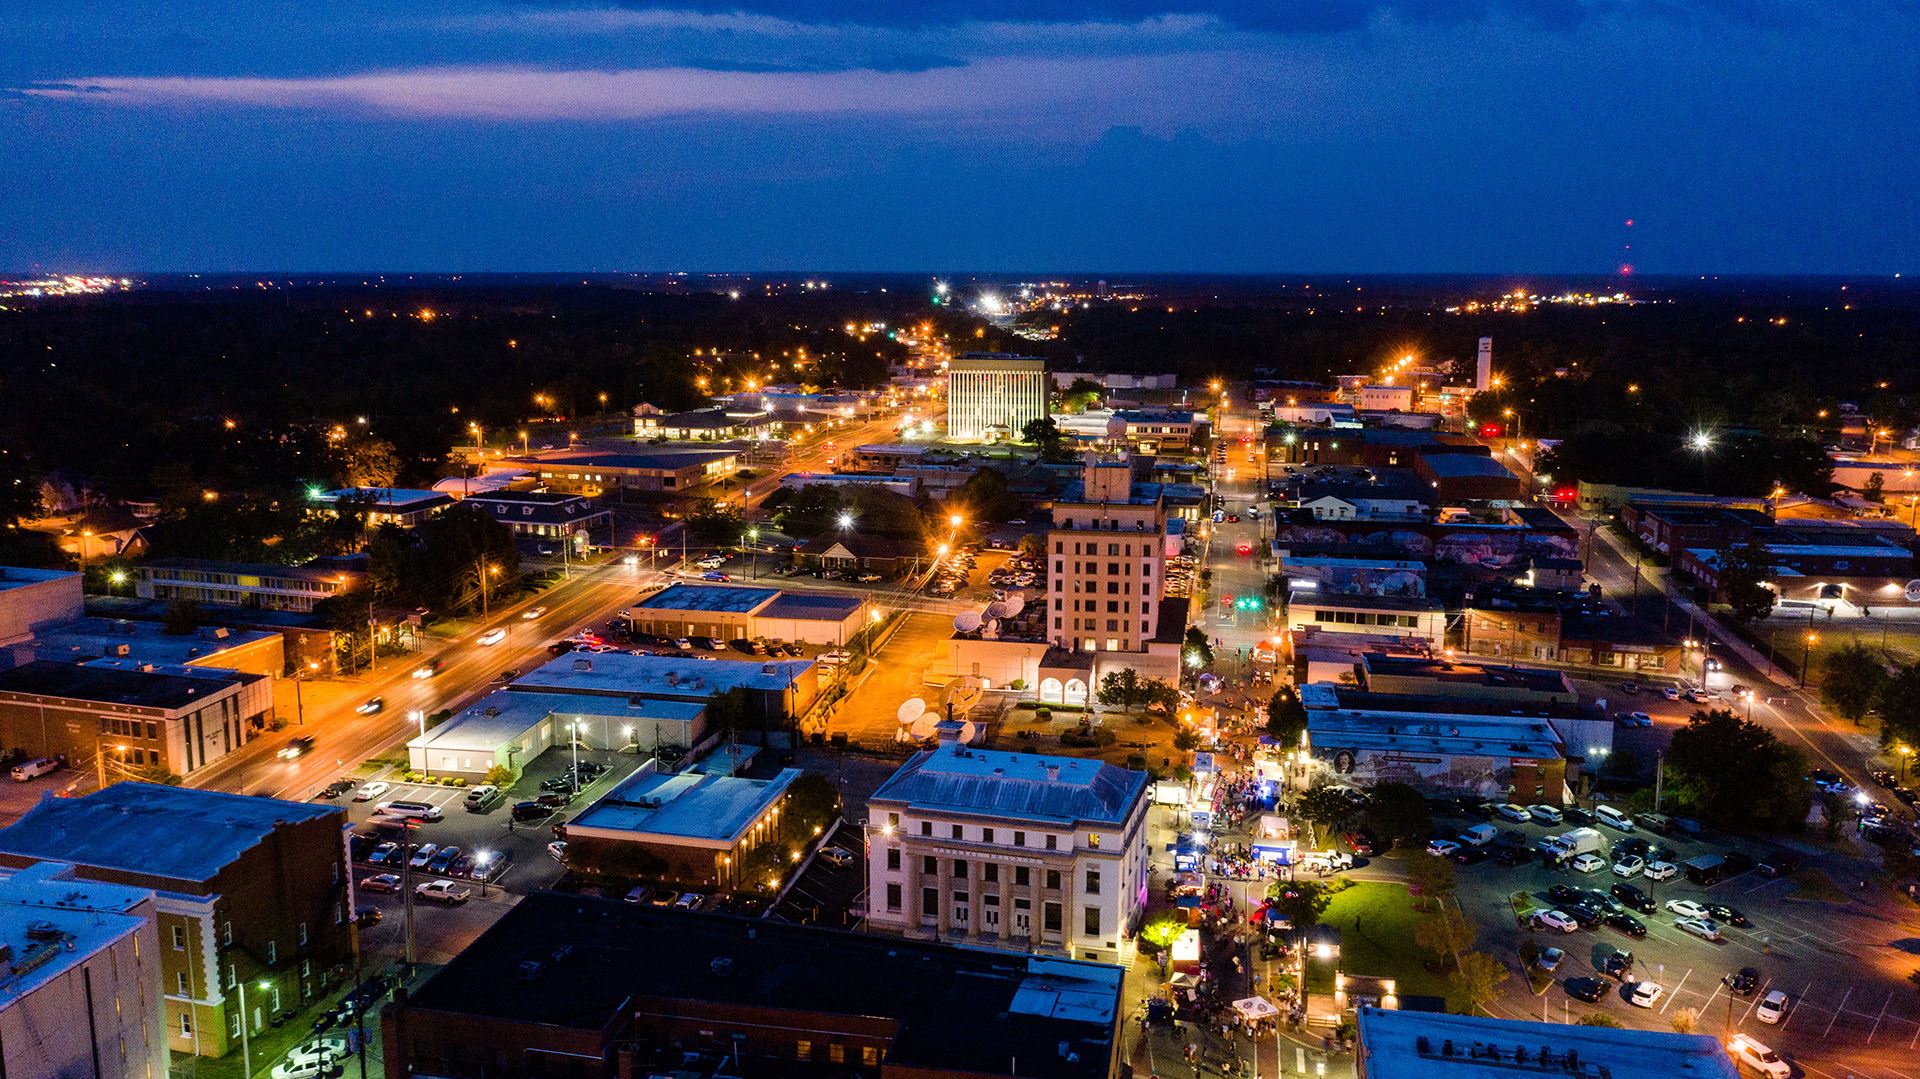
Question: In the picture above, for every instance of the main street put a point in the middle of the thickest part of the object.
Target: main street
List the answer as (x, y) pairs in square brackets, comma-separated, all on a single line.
[(467, 669)]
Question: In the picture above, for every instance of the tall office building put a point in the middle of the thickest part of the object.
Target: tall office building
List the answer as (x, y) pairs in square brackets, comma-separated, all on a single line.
[(1483, 366), (1108, 553), (994, 395)]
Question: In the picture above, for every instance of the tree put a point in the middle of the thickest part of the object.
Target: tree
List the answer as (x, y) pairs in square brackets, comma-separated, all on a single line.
[(1899, 707), (1430, 875), (1733, 773), (714, 524), (369, 462), (1398, 813), (810, 510), (1322, 805), (1044, 435), (812, 802), (1874, 490), (1745, 569), (1120, 689), (1286, 716), (1445, 932), (1598, 1019), (1157, 937), (985, 496), (1185, 740), (1158, 692), (1851, 677), (1300, 903), (500, 775), (1197, 649), (1083, 394), (1683, 1020), (1477, 980)]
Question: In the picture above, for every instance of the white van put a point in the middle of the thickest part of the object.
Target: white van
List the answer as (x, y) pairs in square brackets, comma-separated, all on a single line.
[(1613, 818), (420, 811), (34, 769), (1479, 835)]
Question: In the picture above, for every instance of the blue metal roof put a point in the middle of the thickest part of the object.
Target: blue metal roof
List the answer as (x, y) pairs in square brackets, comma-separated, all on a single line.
[(1015, 786)]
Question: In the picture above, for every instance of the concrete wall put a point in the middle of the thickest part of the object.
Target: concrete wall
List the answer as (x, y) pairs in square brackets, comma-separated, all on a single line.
[(32, 598)]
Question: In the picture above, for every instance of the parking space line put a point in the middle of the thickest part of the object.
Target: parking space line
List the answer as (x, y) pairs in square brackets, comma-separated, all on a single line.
[(1754, 1001), (1836, 1012), (1880, 1018), (1671, 997), (1798, 1003)]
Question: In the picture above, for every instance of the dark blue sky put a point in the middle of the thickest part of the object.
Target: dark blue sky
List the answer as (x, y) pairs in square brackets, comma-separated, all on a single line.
[(1099, 135)]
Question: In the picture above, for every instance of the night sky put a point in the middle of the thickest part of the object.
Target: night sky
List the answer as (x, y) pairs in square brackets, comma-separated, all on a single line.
[(1069, 135)]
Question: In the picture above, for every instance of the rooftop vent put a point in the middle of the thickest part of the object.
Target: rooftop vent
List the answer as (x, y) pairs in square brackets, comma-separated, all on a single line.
[(722, 966), (583, 664)]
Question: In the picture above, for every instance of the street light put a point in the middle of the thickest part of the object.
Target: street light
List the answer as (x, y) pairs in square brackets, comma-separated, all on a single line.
[(845, 520), (1906, 754), (246, 1020)]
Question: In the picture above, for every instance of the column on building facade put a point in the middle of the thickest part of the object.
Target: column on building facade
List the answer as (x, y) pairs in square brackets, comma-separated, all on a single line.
[(944, 895), (1067, 923), (975, 900), (1036, 904), (914, 911), (1006, 900)]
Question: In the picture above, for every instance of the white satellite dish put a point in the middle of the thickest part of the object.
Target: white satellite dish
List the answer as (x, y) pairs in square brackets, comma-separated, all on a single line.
[(924, 726), (1014, 604), (1913, 591), (994, 610), (910, 709), (967, 732), (967, 622), (991, 630)]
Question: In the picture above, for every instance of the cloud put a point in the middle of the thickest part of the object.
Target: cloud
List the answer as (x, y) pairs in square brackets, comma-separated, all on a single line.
[(1009, 89)]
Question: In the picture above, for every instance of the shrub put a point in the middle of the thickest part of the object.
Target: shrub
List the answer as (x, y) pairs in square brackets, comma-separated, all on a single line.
[(1043, 714)]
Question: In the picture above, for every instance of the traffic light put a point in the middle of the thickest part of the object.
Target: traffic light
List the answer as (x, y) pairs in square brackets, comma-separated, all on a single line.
[(1247, 603)]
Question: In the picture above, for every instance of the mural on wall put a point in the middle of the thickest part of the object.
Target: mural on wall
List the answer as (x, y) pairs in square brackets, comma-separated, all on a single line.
[(1487, 777), (1361, 580), (1495, 547)]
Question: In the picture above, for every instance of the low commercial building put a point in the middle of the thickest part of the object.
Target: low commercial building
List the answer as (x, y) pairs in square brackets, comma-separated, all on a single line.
[(1499, 750), (1020, 850), (1462, 476), (137, 714), (378, 506), (601, 988), (905, 486), (863, 552), (260, 585), (772, 687), (1830, 563), (1436, 1045), (250, 651), (1667, 527), (544, 514), (1356, 574), (1392, 616), (694, 828), (732, 612), (507, 728), (248, 891), (80, 990), (595, 474), (1428, 676), (34, 599)]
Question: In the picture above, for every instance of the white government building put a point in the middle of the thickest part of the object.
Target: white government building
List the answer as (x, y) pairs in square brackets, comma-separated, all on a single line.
[(994, 395), (1044, 854)]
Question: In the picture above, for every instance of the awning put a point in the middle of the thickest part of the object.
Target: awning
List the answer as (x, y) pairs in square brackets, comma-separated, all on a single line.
[(1253, 1009)]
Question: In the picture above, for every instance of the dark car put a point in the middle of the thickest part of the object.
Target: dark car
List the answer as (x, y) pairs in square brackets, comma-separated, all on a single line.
[(367, 915), (1729, 915), (1742, 983), (1361, 843), (1576, 815), (1470, 855), (1734, 863), (1483, 810), (1635, 846), (1506, 855), (1626, 923), (338, 787), (1564, 893), (1906, 794), (1633, 898), (1587, 914), (1617, 965), (1774, 865), (558, 783), (1587, 989), (555, 799), (1598, 898), (525, 812)]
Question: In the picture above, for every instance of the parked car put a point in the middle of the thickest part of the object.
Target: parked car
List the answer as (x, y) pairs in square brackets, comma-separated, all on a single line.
[(837, 857), (1554, 919), (385, 854), (482, 798), (443, 859), (557, 850), (380, 882), (528, 812), (1442, 848), (369, 791), (1515, 813), (1616, 965), (1771, 1007), (1588, 863), (1626, 923), (1628, 866), (1671, 693), (1548, 960), (1700, 927), (1742, 982), (1645, 994), (338, 787), (1750, 1054), (1545, 814), (1728, 915), (423, 854), (1657, 871), (1587, 989), (1633, 898), (443, 891)]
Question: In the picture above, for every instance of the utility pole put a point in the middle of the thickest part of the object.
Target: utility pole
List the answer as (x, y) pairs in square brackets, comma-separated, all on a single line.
[(1659, 777)]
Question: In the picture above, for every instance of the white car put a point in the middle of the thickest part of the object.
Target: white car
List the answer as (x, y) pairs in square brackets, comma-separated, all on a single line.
[(1553, 919), (1442, 848), (557, 850), (1629, 865), (837, 856), (1700, 927), (1327, 860), (369, 791), (1671, 693), (1771, 1007), (443, 891), (309, 1068), (1686, 908), (423, 854), (532, 613), (1657, 871), (1588, 863), (1761, 1059), (1516, 814), (1548, 960), (1545, 814), (493, 636), (1645, 994)]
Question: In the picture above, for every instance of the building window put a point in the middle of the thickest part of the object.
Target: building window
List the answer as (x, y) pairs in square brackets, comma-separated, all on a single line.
[(1093, 840), (986, 835), (837, 1053), (926, 827), (1019, 839), (233, 1025), (959, 832), (869, 1055), (301, 930), (1093, 921), (1053, 880), (990, 872), (893, 896), (929, 901), (1021, 876), (803, 1049), (179, 938), (1050, 913), (960, 868), (1093, 882), (180, 986), (273, 952), (186, 1024), (893, 858), (1052, 842), (929, 864)]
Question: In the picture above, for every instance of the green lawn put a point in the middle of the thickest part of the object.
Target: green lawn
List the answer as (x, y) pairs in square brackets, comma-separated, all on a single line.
[(1376, 920)]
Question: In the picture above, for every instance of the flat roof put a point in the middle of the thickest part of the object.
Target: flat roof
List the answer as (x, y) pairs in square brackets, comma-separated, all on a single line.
[(1015, 786), (179, 832), (1414, 1045), (719, 598), (619, 674), (1313, 597), (102, 681), (1463, 737), (1465, 466), (506, 714), (22, 577), (1465, 672), (388, 497), (581, 963), (703, 808), (85, 916), (91, 638), (249, 569), (821, 606), (666, 460), (539, 498)]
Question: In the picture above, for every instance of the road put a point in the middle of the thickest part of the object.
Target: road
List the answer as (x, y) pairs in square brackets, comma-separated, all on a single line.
[(1240, 482), (343, 738)]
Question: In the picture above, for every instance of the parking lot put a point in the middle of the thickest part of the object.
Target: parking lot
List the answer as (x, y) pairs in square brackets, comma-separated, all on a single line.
[(828, 890)]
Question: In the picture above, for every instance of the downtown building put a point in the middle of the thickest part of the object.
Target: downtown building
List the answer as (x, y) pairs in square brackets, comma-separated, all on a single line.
[(1011, 850), (994, 395)]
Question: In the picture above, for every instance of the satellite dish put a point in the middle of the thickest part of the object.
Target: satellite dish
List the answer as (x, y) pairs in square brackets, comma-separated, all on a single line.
[(991, 629), (967, 731), (1014, 604), (967, 622), (1116, 428), (994, 610), (910, 709), (924, 726), (1913, 591)]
